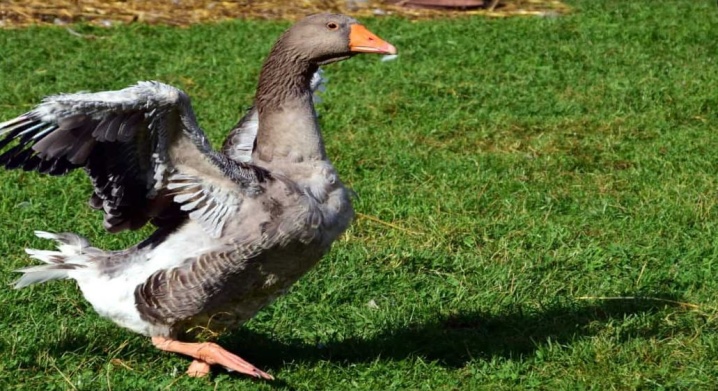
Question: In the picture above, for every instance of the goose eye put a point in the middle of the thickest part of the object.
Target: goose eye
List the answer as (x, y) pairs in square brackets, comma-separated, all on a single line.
[(332, 26)]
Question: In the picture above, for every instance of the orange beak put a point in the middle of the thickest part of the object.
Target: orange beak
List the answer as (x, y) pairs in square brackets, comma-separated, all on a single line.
[(362, 40)]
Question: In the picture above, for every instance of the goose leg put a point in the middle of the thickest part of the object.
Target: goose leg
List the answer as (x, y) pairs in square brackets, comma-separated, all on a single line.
[(206, 354)]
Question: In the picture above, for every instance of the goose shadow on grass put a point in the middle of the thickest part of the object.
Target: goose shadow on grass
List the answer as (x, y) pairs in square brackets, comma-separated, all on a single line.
[(453, 341)]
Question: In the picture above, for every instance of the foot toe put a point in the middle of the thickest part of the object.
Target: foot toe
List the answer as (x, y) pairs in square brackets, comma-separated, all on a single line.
[(198, 369)]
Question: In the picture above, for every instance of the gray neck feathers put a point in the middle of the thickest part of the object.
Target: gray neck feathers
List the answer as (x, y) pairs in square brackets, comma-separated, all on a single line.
[(288, 128)]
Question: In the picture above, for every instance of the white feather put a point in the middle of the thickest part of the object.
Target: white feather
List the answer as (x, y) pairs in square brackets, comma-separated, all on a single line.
[(45, 235), (192, 205), (182, 198), (42, 255)]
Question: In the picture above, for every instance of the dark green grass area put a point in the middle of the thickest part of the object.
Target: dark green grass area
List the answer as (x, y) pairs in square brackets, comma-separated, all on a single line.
[(527, 166)]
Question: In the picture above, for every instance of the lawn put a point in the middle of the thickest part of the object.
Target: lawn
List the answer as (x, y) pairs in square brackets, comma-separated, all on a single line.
[(537, 197)]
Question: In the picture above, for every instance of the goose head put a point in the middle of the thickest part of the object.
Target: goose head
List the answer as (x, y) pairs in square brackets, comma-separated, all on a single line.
[(288, 127), (326, 38)]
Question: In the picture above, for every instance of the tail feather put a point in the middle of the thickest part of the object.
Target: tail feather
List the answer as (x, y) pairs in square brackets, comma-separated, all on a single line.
[(39, 276), (49, 257), (67, 242), (57, 267)]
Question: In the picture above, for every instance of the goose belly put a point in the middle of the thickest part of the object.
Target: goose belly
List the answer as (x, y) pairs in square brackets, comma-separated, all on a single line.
[(111, 291), (113, 298), (260, 281)]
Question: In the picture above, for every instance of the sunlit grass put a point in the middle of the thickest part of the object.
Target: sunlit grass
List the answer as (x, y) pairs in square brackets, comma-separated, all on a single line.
[(519, 169)]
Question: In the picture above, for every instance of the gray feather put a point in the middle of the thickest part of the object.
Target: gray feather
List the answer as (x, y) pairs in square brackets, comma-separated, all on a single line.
[(239, 144), (39, 276), (123, 140)]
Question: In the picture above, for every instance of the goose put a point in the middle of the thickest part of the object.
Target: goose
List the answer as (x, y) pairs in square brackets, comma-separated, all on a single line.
[(234, 228)]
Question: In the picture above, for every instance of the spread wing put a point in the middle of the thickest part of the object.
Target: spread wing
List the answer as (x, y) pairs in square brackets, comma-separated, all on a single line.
[(141, 147), (239, 144)]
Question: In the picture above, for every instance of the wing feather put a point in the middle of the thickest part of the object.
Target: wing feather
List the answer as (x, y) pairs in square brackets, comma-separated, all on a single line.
[(124, 140), (207, 203)]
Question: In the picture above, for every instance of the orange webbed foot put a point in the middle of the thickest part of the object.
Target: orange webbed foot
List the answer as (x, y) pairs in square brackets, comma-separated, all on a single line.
[(207, 354)]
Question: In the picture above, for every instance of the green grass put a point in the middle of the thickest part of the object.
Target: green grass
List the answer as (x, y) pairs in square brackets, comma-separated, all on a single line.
[(530, 162)]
